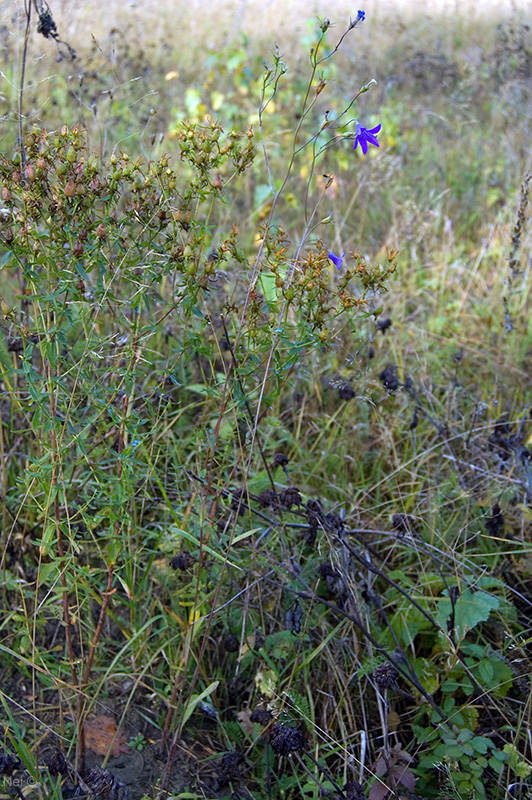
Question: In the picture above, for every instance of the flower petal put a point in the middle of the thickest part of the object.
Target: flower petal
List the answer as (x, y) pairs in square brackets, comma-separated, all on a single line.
[(337, 260), (376, 129)]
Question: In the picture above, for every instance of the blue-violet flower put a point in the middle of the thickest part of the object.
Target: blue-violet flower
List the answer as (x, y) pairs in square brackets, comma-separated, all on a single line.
[(361, 16), (337, 260), (363, 137)]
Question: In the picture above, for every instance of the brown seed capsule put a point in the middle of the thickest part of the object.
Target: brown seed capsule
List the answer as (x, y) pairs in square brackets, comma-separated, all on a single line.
[(6, 194), (78, 249), (70, 189), (386, 676), (101, 231)]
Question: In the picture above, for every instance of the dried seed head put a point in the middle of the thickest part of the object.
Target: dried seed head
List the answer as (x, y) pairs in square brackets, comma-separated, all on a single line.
[(57, 763), (77, 250), (383, 324), (70, 188), (386, 676), (403, 523), (103, 782), (8, 763), (285, 740), (290, 497), (182, 561), (353, 791), (388, 378), (232, 764), (267, 498), (346, 391), (231, 643), (47, 26), (280, 460), (262, 716)]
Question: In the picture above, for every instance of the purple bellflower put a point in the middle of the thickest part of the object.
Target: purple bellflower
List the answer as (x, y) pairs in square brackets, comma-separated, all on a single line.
[(363, 137), (361, 16), (338, 261)]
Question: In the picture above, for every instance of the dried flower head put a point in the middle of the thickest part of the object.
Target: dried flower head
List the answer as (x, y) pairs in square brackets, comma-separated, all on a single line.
[(383, 324), (353, 791), (346, 391), (47, 26), (388, 378), (285, 740), (267, 498), (263, 716), (386, 676), (290, 497), (231, 643), (57, 763), (8, 763), (403, 523), (103, 782), (280, 460), (182, 561)]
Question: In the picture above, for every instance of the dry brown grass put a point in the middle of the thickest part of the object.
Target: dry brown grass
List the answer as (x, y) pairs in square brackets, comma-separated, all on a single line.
[(190, 28)]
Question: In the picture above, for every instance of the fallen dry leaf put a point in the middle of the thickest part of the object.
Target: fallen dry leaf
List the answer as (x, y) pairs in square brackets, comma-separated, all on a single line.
[(102, 734)]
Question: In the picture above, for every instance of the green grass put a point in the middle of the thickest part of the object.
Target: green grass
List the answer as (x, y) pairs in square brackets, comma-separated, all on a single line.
[(232, 500)]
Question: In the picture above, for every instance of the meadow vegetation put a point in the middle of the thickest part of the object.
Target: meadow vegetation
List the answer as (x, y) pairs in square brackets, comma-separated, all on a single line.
[(266, 430)]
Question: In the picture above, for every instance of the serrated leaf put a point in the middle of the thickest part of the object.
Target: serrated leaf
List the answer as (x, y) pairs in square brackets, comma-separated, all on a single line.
[(301, 705)]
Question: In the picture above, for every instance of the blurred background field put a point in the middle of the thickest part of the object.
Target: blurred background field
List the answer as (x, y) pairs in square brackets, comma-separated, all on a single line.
[(234, 478)]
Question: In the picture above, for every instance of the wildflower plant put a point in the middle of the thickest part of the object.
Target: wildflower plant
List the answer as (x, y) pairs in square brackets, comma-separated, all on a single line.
[(172, 536)]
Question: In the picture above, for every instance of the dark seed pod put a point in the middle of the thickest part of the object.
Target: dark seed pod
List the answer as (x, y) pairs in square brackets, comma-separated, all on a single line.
[(388, 378), (103, 782), (386, 676), (346, 391), (353, 791), (57, 763), (231, 643), (414, 422), (290, 497), (383, 324), (261, 715), (182, 561), (239, 500), (267, 498), (280, 460), (403, 523), (285, 740), (47, 26), (232, 764), (8, 763)]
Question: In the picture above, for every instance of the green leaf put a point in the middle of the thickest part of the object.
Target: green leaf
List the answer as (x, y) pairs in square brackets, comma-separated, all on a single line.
[(469, 610), (6, 258), (482, 744), (485, 671), (197, 698)]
